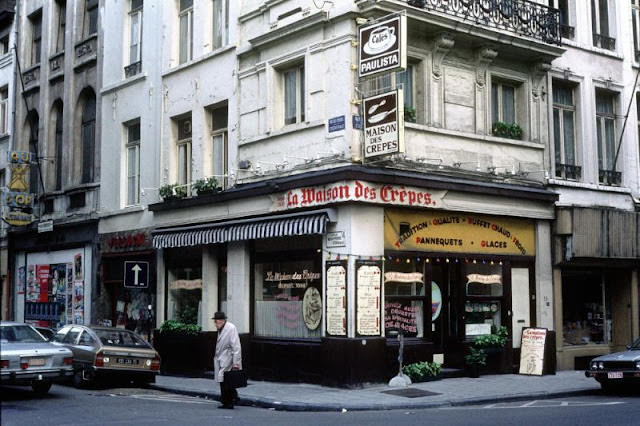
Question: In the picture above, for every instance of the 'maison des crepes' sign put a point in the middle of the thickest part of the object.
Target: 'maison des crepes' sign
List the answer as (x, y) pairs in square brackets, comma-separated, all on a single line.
[(458, 233), (384, 124), (360, 191)]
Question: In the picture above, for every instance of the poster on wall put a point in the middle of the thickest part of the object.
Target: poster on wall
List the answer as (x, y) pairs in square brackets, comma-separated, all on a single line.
[(58, 285), (42, 276), (69, 307), (532, 351), (336, 305), (78, 302), (33, 286), (77, 268), (22, 279), (368, 296)]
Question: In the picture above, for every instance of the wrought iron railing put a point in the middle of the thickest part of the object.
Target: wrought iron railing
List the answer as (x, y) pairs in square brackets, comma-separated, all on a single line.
[(521, 17), (610, 177), (568, 171), (133, 69), (604, 42)]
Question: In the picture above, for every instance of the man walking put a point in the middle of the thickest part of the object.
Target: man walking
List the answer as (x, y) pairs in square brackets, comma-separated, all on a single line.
[(228, 356)]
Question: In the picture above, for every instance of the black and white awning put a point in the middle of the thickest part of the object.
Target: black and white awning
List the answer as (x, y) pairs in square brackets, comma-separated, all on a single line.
[(307, 223)]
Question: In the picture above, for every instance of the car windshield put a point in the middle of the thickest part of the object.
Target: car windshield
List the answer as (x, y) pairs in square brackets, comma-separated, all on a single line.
[(635, 345), (121, 338), (20, 333)]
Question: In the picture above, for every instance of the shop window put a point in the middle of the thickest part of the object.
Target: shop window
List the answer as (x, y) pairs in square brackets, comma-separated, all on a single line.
[(288, 299), (184, 299), (404, 298), (586, 313), (483, 289)]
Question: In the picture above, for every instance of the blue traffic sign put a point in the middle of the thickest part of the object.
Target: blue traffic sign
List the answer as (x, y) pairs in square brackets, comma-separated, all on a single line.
[(136, 274)]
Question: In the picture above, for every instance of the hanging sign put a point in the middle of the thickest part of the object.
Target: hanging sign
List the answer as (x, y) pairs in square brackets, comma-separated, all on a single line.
[(382, 46), (368, 297), (336, 304), (532, 351), (384, 124)]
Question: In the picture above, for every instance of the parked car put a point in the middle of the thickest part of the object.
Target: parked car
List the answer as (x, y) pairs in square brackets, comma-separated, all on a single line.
[(46, 332), (27, 358), (106, 352), (617, 368)]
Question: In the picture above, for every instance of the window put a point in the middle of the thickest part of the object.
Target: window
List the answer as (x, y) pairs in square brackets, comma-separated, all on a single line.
[(62, 12), (33, 123), (219, 144), (565, 23), (605, 127), (403, 79), (133, 164), (86, 339), (88, 134), (4, 110), (484, 291), (294, 95), (135, 31), (405, 299), (186, 30), (184, 277), (36, 37), (635, 27), (586, 310), (58, 149), (184, 152), (4, 44), (72, 336), (638, 120), (564, 112), (220, 23), (504, 109), (90, 18), (600, 15)]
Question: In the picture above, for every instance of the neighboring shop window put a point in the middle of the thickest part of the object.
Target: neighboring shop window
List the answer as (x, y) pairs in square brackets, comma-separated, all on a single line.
[(586, 313), (184, 277), (483, 290), (288, 298), (404, 298)]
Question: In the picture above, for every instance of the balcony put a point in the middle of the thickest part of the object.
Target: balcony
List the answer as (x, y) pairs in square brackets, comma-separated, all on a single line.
[(604, 42), (133, 69), (521, 17), (568, 171), (609, 177)]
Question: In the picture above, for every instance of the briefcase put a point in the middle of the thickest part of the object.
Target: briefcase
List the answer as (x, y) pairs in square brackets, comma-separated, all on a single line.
[(235, 378)]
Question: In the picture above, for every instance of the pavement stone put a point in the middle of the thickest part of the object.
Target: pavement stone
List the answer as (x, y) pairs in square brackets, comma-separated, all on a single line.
[(447, 392)]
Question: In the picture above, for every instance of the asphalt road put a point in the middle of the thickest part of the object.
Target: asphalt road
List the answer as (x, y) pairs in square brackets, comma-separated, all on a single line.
[(132, 406)]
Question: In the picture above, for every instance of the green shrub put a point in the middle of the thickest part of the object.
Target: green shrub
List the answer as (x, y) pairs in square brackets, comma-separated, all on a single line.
[(498, 339), (421, 371), (507, 130), (172, 191), (476, 356), (209, 184), (180, 327), (409, 114)]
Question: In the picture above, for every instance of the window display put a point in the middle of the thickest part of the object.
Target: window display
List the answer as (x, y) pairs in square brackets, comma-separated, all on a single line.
[(586, 314), (184, 278), (483, 288), (405, 298)]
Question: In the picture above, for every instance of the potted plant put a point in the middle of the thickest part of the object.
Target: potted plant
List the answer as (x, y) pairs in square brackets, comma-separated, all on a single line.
[(494, 342), (206, 186), (476, 358), (409, 114), (423, 371), (507, 130), (172, 191)]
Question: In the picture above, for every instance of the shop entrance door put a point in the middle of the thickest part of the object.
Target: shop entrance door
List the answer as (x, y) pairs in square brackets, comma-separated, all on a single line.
[(445, 325)]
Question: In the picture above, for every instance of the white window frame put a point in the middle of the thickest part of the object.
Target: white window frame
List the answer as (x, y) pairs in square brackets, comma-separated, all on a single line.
[(500, 84), (185, 46), (219, 33), (562, 108), (4, 110), (135, 40), (299, 106), (183, 151), (133, 146), (601, 139)]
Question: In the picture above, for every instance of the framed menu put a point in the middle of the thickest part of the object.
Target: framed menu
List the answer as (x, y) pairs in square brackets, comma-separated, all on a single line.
[(368, 297), (336, 294), (532, 351)]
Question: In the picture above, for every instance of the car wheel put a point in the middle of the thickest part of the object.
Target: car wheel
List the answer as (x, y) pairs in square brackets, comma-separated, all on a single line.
[(41, 388)]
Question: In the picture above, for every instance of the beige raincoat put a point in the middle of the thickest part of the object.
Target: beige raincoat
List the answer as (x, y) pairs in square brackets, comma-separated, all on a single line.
[(228, 351)]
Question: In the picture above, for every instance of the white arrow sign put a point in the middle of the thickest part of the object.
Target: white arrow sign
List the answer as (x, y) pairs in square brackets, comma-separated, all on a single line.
[(136, 270), (136, 274)]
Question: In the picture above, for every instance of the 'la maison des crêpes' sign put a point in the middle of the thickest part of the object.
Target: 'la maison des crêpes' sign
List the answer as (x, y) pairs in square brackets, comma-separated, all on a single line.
[(368, 296), (382, 45), (532, 351), (457, 233), (336, 303), (384, 124), (359, 191)]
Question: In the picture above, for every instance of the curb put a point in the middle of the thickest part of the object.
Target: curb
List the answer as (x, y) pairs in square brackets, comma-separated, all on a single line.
[(302, 406)]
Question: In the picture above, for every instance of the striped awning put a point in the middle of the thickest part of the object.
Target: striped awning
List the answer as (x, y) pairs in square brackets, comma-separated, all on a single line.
[(239, 230)]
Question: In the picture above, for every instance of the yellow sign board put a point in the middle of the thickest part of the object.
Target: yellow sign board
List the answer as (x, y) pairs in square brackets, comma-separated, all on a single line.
[(454, 232), (18, 181), (18, 218)]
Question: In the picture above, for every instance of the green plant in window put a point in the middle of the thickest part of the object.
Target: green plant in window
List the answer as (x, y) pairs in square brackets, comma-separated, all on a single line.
[(497, 339), (173, 326), (507, 130), (172, 191), (410, 114), (206, 185)]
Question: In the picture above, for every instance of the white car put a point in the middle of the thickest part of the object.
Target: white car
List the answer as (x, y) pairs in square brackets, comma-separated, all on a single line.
[(27, 358)]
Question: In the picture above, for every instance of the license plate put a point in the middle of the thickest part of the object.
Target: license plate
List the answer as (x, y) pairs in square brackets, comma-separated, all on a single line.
[(128, 361), (36, 362), (615, 375)]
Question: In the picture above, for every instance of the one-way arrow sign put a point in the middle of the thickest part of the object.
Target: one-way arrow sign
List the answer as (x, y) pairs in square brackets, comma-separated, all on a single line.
[(136, 274)]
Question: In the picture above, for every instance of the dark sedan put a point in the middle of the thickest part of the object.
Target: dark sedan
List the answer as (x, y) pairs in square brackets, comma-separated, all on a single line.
[(617, 368), (106, 352)]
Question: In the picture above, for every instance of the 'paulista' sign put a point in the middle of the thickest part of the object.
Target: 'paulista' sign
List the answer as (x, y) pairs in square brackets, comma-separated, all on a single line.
[(383, 46)]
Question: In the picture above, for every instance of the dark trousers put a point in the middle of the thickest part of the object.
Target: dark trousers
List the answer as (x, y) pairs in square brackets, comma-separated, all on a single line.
[(228, 395)]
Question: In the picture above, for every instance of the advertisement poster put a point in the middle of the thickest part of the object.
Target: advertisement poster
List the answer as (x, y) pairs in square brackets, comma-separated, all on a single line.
[(336, 317), (22, 279), (77, 268), (532, 351), (368, 296), (42, 276), (69, 303), (78, 302), (33, 286), (58, 287)]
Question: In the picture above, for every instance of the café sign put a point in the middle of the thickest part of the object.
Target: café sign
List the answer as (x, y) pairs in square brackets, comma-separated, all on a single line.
[(382, 46), (358, 191)]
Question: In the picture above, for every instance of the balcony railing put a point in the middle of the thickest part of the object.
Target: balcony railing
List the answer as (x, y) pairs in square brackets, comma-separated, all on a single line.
[(568, 171), (521, 17), (610, 177), (604, 42), (567, 31), (133, 69)]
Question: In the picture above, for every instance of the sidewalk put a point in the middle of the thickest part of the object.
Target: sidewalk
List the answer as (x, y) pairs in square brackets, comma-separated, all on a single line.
[(447, 392)]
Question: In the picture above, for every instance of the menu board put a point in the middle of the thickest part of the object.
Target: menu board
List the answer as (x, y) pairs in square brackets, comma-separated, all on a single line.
[(368, 295), (336, 305), (532, 351)]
